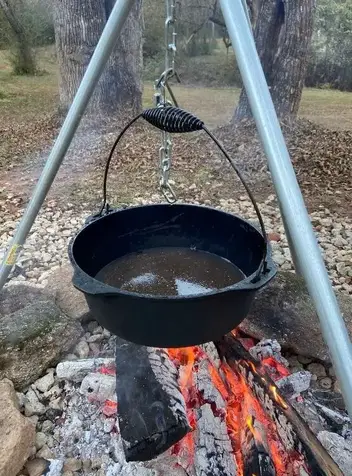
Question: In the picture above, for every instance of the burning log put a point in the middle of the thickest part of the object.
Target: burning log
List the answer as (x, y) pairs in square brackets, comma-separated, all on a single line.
[(256, 457), (151, 409), (294, 434), (213, 450)]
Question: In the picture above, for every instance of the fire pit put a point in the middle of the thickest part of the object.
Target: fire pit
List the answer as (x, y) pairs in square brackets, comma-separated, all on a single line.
[(230, 418)]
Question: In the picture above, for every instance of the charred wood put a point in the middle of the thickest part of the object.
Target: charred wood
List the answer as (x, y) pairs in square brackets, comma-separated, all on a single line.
[(213, 450), (294, 433), (256, 458), (151, 409)]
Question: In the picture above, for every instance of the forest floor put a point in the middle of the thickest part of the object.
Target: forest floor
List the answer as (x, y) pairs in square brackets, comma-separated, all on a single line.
[(320, 146)]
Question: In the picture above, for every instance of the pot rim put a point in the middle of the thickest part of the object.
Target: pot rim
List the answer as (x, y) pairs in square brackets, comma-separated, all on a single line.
[(101, 288)]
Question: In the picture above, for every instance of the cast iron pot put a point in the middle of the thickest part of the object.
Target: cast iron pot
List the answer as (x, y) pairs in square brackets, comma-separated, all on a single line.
[(173, 321)]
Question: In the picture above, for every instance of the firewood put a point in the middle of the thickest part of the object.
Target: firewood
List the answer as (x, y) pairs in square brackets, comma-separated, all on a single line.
[(151, 409), (294, 433)]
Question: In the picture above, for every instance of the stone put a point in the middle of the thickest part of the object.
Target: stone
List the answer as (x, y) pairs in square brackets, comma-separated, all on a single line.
[(46, 382), (16, 297), (284, 311), (96, 463), (47, 426), (338, 448), (37, 467), (72, 464), (82, 349), (17, 435), (32, 405), (86, 465), (75, 371), (92, 326), (45, 453), (40, 440), (325, 382), (99, 387), (304, 360), (34, 339), (67, 297), (317, 369)]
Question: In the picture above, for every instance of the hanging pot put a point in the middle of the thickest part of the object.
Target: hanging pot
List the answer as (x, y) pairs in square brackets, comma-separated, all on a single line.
[(164, 320)]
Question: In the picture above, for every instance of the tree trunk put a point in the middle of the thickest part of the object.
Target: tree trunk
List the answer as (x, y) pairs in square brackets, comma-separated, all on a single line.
[(25, 62), (283, 34), (78, 27)]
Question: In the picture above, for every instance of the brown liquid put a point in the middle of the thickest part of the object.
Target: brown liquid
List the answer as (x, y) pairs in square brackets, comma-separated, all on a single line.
[(170, 272)]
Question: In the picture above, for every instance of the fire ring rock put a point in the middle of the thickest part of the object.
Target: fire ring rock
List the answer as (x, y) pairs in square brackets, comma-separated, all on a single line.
[(284, 311), (33, 339), (17, 436)]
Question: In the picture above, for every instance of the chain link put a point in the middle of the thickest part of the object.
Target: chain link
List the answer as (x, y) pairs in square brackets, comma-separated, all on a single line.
[(162, 100)]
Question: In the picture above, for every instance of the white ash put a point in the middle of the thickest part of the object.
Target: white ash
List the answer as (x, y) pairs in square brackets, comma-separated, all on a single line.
[(99, 387), (76, 370), (268, 348), (295, 384), (212, 439), (339, 448)]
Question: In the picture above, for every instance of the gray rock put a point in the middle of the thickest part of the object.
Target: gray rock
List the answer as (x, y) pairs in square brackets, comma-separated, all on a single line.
[(67, 297), (46, 382), (82, 349), (33, 339), (40, 440), (16, 297), (338, 448), (317, 369), (32, 405), (284, 311), (37, 467)]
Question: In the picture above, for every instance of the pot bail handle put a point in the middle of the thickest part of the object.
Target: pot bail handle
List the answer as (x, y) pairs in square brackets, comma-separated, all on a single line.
[(175, 120)]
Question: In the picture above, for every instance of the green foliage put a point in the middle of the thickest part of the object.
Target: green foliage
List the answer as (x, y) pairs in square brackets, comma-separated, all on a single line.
[(35, 17), (331, 59)]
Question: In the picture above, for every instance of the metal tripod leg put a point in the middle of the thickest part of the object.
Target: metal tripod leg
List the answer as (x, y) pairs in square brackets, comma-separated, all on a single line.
[(304, 246), (96, 66)]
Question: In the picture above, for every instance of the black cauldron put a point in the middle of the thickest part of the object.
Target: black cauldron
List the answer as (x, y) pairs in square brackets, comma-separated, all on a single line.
[(170, 321), (173, 321)]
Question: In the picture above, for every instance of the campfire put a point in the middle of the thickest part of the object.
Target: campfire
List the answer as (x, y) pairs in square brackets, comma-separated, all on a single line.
[(215, 408)]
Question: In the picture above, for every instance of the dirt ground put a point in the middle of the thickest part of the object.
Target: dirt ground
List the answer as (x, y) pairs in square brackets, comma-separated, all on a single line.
[(29, 125)]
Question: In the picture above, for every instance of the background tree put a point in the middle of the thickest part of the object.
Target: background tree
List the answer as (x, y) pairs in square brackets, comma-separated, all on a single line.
[(283, 32), (331, 58), (78, 27), (23, 59)]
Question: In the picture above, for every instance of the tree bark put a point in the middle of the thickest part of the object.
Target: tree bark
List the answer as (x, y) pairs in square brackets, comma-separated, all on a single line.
[(78, 27), (25, 63), (283, 34)]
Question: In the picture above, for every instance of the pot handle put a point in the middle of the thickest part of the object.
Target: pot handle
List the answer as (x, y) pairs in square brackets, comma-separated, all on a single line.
[(175, 120)]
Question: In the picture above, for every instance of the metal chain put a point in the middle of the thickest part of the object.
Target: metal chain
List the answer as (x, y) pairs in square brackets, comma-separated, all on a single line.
[(162, 99)]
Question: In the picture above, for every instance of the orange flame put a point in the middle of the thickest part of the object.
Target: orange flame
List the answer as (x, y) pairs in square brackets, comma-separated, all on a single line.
[(277, 397), (242, 407)]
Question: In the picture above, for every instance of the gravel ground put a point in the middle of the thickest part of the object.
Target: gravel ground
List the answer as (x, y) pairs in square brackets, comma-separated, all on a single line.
[(46, 247)]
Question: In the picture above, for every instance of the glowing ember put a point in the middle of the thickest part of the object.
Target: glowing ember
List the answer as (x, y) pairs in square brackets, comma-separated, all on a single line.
[(107, 369), (109, 408), (242, 407)]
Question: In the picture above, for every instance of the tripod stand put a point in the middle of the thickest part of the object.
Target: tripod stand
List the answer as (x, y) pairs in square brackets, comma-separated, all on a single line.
[(300, 233)]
